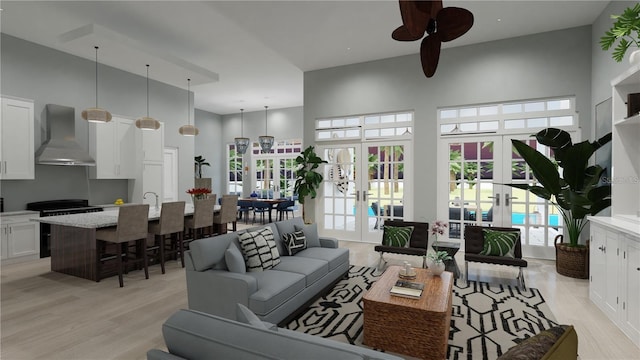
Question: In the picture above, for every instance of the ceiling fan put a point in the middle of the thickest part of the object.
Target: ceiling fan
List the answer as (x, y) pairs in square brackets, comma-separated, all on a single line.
[(440, 24)]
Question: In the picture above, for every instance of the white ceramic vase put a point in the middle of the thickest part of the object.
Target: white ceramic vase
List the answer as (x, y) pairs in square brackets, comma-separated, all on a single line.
[(435, 267), (634, 58)]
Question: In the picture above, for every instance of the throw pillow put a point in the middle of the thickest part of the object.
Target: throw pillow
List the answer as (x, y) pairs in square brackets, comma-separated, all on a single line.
[(536, 347), (397, 236), (244, 315), (259, 249), (499, 243), (234, 259), (295, 242), (311, 234)]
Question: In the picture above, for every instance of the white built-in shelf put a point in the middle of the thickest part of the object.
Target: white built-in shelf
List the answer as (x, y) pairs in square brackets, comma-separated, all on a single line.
[(633, 120)]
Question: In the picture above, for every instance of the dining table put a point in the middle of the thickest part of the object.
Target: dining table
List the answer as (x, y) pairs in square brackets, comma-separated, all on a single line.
[(73, 238), (273, 202)]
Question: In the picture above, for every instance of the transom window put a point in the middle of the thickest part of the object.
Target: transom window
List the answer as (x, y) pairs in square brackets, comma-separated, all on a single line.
[(529, 115), (366, 127)]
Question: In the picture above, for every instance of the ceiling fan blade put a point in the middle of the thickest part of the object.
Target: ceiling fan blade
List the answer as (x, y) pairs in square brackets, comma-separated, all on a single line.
[(403, 34), (414, 18), (430, 7), (453, 22), (430, 54)]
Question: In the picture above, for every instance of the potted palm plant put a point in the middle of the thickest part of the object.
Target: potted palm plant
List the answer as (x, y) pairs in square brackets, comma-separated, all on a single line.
[(308, 180), (626, 28), (199, 181), (576, 191)]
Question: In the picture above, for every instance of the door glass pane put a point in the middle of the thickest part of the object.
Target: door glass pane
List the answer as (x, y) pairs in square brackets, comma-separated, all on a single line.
[(339, 188), (264, 178), (386, 184)]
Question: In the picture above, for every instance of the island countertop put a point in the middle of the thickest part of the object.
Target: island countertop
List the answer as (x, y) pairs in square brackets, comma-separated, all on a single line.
[(101, 219)]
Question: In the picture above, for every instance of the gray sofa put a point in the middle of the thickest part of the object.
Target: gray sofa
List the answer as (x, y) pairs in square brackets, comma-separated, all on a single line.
[(215, 284), (194, 335)]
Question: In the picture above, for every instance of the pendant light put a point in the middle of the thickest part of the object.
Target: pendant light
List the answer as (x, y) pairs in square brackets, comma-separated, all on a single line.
[(266, 141), (188, 130), (96, 114), (146, 122), (242, 143)]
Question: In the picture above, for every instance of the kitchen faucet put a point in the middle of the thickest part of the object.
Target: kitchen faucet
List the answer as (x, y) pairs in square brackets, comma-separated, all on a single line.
[(156, 195)]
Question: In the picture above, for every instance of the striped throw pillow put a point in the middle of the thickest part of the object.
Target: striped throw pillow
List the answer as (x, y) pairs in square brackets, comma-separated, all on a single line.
[(295, 242), (259, 249)]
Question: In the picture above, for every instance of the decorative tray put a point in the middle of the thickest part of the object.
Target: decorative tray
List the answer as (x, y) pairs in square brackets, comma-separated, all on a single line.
[(403, 274)]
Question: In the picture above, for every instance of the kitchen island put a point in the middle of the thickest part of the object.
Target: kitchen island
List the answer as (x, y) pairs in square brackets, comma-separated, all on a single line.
[(73, 239)]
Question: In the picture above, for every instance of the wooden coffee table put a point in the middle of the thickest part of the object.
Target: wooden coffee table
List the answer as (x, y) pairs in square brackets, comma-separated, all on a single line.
[(415, 327)]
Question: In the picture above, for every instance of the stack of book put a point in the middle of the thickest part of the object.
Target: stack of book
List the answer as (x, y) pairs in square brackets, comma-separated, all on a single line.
[(407, 289)]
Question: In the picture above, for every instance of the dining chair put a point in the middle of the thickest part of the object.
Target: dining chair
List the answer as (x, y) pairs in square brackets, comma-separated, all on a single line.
[(261, 207), (228, 213), (201, 219), (133, 225), (284, 208), (171, 224), (244, 208)]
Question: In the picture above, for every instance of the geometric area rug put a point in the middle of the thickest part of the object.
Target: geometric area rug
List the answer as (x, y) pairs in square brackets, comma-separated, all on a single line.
[(486, 320)]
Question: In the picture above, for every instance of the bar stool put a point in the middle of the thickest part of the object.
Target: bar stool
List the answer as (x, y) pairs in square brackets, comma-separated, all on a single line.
[(171, 223), (228, 213), (202, 218), (133, 225)]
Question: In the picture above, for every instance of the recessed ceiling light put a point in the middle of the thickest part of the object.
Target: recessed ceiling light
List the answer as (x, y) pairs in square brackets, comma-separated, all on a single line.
[(348, 48), (499, 20)]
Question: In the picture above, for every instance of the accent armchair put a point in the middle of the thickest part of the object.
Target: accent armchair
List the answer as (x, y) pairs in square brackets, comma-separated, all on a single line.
[(417, 242)]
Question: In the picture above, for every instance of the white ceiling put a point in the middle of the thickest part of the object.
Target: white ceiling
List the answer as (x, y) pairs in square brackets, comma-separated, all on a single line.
[(247, 54)]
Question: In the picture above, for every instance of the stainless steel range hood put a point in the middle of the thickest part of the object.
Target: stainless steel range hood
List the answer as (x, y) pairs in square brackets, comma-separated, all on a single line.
[(61, 147)]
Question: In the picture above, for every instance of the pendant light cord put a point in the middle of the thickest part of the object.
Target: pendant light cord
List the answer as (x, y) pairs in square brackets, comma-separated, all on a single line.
[(96, 76), (266, 121), (147, 90), (241, 123), (189, 101)]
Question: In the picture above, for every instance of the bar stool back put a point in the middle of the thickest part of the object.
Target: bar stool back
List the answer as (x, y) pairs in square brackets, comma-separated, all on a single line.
[(171, 223), (133, 225)]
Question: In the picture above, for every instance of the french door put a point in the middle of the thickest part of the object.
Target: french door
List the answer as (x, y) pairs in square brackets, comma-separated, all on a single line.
[(364, 184), (274, 177), (478, 168)]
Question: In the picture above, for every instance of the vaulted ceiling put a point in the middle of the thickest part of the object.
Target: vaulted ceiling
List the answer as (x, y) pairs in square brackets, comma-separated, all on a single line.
[(247, 54)]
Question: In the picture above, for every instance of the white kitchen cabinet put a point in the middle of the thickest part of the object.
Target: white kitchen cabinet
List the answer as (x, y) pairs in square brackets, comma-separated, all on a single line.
[(630, 317), (151, 144), (113, 146), (17, 140), (615, 273), (20, 238)]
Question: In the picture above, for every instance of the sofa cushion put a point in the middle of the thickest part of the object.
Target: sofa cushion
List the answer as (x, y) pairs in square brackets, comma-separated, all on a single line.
[(234, 259), (312, 269), (274, 288), (294, 242), (335, 257), (397, 236), (311, 233), (195, 335), (499, 243), (259, 249)]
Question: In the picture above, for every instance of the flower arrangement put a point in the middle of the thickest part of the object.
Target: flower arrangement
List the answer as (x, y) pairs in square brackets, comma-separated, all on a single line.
[(438, 228), (198, 193)]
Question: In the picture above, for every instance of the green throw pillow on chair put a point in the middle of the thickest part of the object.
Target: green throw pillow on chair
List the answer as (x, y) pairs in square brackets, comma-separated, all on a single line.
[(397, 236), (499, 243)]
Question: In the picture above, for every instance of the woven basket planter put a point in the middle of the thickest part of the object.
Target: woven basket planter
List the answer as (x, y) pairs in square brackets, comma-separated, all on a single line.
[(572, 261)]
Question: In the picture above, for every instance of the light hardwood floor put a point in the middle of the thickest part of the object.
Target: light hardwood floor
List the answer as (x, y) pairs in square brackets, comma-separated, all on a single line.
[(47, 315)]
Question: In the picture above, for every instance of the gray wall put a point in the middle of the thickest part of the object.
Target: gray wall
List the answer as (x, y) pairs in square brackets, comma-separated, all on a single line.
[(544, 65), (209, 145), (48, 76)]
